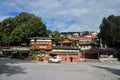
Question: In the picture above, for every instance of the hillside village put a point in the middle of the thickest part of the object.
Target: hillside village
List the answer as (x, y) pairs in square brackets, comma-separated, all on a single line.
[(26, 37), (60, 40), (73, 35), (88, 48)]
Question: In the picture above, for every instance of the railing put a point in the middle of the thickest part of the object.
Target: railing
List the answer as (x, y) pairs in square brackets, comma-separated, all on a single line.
[(20, 48)]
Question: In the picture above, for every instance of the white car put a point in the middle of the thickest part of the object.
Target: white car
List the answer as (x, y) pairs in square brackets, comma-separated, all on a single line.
[(55, 59)]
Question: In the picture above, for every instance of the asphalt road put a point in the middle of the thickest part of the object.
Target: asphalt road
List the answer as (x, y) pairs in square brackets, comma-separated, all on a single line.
[(12, 69)]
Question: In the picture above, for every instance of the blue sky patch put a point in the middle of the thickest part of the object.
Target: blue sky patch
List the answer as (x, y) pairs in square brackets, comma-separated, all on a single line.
[(63, 15)]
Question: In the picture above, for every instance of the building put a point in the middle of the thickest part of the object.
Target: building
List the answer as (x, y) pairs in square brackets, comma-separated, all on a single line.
[(101, 54), (65, 51), (91, 50), (18, 52), (67, 54), (88, 45), (88, 49), (41, 43), (75, 35), (66, 42), (88, 42)]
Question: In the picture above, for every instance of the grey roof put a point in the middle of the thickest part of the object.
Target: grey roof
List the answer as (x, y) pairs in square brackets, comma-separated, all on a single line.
[(65, 48), (5, 49), (42, 38), (64, 52)]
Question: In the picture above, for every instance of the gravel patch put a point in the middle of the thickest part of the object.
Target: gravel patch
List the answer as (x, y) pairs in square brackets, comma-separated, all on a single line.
[(13, 69)]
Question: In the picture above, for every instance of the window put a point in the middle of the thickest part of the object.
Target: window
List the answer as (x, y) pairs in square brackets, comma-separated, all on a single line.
[(103, 56), (40, 42), (49, 42)]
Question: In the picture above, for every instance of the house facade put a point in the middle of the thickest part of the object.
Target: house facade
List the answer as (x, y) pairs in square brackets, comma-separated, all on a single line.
[(41, 43), (88, 45), (88, 42), (101, 54), (66, 42), (67, 54), (87, 48)]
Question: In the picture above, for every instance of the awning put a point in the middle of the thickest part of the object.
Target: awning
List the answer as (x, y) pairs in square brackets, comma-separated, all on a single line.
[(64, 53)]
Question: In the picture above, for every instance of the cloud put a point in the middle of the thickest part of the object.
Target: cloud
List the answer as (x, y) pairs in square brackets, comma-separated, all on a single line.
[(64, 15), (3, 17)]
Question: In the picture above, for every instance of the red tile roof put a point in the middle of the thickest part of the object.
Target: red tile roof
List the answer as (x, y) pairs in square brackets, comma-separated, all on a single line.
[(87, 37), (66, 41)]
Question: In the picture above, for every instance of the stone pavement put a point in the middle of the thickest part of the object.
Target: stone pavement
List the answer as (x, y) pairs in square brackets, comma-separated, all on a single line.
[(13, 69)]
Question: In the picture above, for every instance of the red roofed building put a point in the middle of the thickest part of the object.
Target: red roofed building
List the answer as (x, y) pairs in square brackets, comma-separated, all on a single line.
[(66, 42), (41, 43), (88, 42), (67, 54)]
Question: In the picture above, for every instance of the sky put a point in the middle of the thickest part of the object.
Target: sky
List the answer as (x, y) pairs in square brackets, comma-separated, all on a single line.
[(64, 15)]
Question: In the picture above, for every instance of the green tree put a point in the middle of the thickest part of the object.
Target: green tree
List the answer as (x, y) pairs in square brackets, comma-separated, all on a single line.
[(15, 30), (74, 43), (6, 27), (110, 31), (56, 35)]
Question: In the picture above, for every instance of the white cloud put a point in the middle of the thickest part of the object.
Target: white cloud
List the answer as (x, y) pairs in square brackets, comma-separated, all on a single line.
[(3, 17), (74, 27), (59, 14)]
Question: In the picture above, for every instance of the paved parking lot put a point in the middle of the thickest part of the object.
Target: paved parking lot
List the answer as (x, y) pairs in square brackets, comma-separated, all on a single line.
[(12, 69)]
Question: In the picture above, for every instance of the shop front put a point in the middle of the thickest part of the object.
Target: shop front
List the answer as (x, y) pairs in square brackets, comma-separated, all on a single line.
[(68, 57), (67, 54)]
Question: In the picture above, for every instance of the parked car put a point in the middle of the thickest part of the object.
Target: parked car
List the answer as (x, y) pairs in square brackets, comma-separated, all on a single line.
[(55, 59)]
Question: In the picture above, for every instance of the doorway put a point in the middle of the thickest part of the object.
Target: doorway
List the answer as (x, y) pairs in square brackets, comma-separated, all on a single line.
[(71, 59)]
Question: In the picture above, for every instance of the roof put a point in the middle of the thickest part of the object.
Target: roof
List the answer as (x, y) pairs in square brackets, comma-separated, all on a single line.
[(83, 38), (65, 53), (42, 38), (65, 48), (66, 41), (5, 49), (110, 50), (87, 38), (95, 50)]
